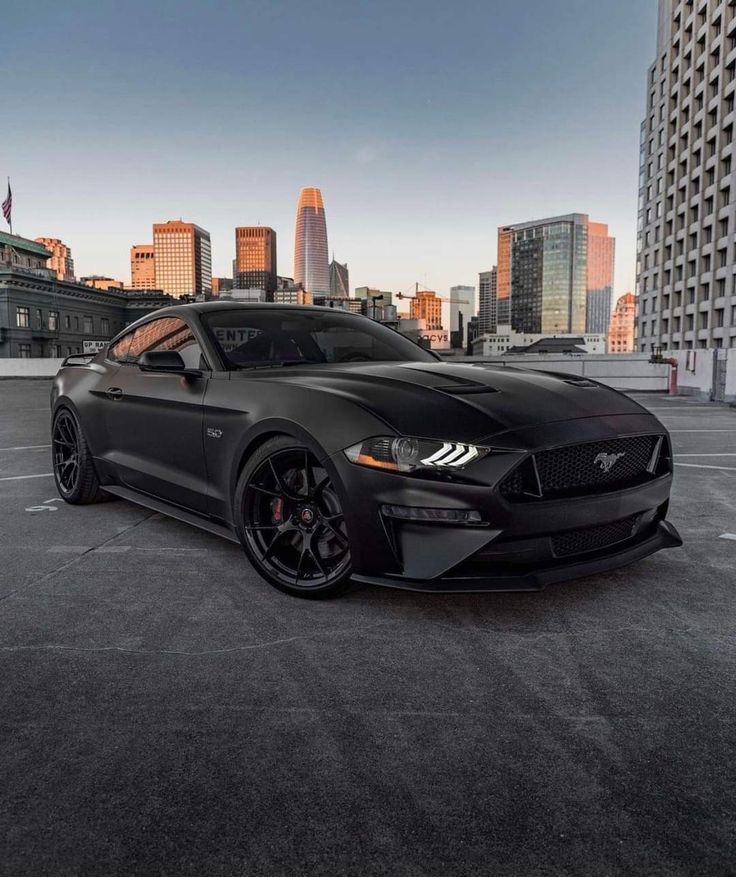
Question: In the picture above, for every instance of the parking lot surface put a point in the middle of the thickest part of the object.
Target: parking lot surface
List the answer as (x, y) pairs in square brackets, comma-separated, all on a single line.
[(164, 711)]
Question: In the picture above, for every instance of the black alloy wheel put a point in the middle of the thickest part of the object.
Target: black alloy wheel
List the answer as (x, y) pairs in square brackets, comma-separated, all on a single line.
[(74, 471), (290, 521)]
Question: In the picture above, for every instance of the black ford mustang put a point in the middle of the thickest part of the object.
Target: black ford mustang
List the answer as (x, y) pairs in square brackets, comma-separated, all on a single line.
[(332, 448)]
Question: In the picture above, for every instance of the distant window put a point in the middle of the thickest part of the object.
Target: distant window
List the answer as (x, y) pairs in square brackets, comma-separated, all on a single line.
[(53, 320), (67, 322), (22, 318), (88, 327), (105, 326), (39, 316), (24, 351)]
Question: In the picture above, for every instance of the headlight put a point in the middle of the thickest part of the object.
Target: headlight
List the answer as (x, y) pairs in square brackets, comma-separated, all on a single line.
[(410, 454)]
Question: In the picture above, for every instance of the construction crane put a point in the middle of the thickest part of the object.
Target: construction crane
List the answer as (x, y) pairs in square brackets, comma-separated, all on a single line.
[(456, 301)]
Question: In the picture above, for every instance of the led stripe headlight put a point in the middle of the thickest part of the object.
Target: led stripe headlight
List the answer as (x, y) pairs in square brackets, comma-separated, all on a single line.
[(410, 454)]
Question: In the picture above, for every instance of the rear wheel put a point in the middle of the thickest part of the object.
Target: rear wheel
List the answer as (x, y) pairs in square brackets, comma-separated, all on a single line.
[(74, 471), (290, 521)]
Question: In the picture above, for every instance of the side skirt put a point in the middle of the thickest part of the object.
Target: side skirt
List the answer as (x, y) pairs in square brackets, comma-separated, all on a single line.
[(171, 511)]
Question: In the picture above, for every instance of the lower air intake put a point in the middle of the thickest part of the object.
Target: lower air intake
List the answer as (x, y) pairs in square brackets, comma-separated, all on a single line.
[(593, 538)]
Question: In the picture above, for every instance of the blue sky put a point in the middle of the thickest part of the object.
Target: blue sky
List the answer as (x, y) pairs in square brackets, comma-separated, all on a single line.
[(425, 124)]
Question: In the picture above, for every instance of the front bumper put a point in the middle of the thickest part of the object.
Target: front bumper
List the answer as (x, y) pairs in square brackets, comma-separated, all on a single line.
[(521, 546), (664, 536)]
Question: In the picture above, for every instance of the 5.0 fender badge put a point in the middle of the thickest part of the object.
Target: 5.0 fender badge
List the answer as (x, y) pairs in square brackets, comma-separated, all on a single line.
[(213, 432)]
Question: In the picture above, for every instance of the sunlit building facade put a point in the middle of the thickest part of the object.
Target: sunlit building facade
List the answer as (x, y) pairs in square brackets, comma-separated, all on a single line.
[(61, 262), (601, 260), (311, 264), (686, 236), (142, 267), (255, 258), (428, 307), (183, 259), (622, 329)]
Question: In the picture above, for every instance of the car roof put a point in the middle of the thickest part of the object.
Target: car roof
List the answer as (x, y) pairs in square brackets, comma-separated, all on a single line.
[(203, 307)]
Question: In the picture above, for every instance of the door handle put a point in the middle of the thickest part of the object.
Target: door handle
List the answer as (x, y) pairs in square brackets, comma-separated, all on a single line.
[(114, 393)]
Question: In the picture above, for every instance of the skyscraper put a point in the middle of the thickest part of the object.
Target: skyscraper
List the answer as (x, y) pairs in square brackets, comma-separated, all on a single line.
[(462, 308), (142, 267), (601, 258), (548, 276), (488, 301), (255, 258), (339, 280), (686, 295), (428, 307), (310, 243), (183, 258), (61, 261), (621, 332)]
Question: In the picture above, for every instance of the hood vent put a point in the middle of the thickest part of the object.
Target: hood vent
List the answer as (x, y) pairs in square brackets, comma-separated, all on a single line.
[(466, 389)]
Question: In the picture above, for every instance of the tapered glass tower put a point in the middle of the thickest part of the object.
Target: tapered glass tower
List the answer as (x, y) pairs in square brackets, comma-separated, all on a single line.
[(311, 265)]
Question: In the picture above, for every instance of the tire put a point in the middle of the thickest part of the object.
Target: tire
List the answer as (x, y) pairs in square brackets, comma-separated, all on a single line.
[(74, 472), (290, 523)]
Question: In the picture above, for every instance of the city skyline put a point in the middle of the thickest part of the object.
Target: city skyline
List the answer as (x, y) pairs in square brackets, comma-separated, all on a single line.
[(407, 146)]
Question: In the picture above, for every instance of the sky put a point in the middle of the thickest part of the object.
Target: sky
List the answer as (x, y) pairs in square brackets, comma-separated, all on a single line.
[(426, 124)]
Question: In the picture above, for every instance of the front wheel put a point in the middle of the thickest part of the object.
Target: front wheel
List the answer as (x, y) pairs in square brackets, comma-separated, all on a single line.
[(290, 522), (74, 471)]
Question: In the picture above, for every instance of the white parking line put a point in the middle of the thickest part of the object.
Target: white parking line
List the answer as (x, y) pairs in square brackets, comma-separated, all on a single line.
[(703, 430), (705, 455), (699, 466), (23, 477), (728, 536), (27, 448)]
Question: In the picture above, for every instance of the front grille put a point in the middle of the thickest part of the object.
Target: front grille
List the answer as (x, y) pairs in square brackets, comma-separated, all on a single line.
[(593, 538), (592, 467)]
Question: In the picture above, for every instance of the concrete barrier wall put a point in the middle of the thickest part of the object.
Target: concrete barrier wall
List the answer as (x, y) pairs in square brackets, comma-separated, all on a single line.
[(623, 372), (29, 368), (731, 377)]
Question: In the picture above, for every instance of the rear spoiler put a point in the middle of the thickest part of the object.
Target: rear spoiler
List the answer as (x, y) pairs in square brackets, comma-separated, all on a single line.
[(78, 359)]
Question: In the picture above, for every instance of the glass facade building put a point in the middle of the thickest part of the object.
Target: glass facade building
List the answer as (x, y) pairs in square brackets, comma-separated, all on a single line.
[(601, 258), (311, 264), (339, 280), (487, 301), (545, 274)]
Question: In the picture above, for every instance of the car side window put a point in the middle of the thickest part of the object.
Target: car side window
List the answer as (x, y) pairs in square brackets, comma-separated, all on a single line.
[(167, 333), (118, 351)]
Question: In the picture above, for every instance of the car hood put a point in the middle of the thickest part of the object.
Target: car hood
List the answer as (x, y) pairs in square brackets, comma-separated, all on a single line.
[(461, 402)]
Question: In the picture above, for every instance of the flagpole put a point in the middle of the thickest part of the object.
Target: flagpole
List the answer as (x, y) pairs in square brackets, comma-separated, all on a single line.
[(10, 221)]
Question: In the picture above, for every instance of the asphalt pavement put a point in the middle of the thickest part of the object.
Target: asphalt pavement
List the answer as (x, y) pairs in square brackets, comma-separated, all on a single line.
[(164, 711)]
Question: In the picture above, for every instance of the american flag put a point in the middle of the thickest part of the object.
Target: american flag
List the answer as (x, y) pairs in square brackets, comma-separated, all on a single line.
[(8, 205)]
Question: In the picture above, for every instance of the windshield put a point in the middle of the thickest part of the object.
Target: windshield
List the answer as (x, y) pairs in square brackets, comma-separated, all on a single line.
[(252, 338)]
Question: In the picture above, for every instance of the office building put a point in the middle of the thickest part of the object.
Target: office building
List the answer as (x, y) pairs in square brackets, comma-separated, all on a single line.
[(99, 281), (61, 262), (339, 280), (221, 285), (623, 321), (292, 295), (142, 267), (488, 301), (183, 259), (686, 297), (311, 268), (503, 275), (41, 316), (547, 284), (601, 259), (462, 308), (373, 300), (255, 258), (427, 306)]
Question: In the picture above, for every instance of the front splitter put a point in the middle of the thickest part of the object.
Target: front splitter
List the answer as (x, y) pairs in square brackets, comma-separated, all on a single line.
[(665, 536)]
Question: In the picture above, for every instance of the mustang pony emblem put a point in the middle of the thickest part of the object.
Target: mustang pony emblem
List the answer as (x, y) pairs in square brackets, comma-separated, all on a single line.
[(608, 461)]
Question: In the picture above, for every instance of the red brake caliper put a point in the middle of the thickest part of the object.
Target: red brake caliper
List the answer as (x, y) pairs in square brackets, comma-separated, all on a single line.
[(277, 510)]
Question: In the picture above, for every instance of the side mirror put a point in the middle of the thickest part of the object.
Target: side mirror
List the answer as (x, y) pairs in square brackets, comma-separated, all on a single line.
[(166, 362)]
